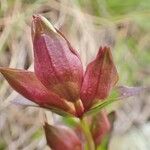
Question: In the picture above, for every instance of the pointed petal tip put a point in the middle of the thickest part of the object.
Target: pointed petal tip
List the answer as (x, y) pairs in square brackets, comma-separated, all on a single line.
[(34, 16), (103, 49), (37, 17), (46, 125), (40, 25)]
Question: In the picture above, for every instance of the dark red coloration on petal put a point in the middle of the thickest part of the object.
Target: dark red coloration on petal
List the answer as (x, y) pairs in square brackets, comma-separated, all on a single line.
[(101, 75), (28, 85), (61, 138), (56, 64), (100, 127)]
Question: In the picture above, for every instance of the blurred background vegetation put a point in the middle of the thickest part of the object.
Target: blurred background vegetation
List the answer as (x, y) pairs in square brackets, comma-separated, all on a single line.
[(88, 24)]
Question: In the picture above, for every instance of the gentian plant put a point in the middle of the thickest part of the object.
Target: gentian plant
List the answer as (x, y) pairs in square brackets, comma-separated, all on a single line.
[(60, 85)]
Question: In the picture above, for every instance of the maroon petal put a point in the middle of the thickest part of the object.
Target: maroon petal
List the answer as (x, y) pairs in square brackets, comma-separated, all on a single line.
[(57, 65), (27, 84), (61, 138), (101, 75)]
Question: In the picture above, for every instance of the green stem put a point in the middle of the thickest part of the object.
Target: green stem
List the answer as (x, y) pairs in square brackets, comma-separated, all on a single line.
[(87, 133)]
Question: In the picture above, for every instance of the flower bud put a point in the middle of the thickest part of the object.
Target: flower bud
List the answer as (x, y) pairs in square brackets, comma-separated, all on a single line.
[(61, 138), (56, 63), (100, 127), (100, 76)]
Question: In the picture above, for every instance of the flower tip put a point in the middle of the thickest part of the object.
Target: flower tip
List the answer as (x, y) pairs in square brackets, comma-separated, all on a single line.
[(46, 125), (37, 18), (41, 25), (34, 16), (104, 49)]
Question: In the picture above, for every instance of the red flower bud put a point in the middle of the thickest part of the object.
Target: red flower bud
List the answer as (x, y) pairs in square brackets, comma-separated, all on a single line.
[(62, 138), (57, 64), (100, 127), (101, 75)]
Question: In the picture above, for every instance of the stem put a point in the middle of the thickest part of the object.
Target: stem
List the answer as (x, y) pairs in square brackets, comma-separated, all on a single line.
[(87, 133)]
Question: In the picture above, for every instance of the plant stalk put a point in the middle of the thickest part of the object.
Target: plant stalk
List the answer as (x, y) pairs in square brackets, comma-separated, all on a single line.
[(87, 134)]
